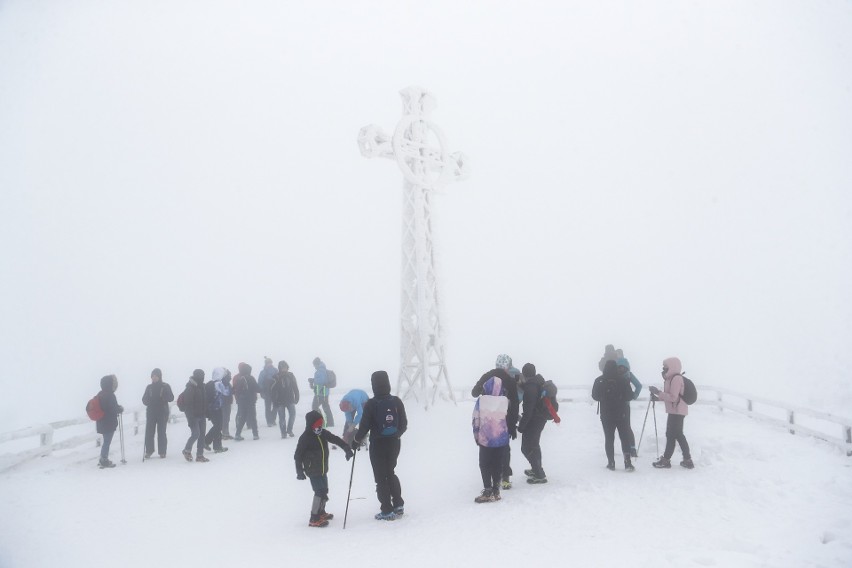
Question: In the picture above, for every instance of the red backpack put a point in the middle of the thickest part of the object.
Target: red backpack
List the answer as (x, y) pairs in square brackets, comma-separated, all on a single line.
[(93, 408)]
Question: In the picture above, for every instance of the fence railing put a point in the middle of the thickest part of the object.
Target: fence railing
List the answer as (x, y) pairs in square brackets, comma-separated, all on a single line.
[(65, 434)]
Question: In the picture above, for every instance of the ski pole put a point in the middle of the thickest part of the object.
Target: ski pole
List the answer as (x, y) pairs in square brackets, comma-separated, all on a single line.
[(348, 495), (643, 425), (121, 436), (656, 437)]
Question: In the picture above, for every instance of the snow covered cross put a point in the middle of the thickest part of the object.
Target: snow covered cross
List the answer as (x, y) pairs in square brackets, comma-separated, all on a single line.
[(420, 151)]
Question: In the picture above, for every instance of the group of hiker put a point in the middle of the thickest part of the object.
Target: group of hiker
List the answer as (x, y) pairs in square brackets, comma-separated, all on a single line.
[(509, 402)]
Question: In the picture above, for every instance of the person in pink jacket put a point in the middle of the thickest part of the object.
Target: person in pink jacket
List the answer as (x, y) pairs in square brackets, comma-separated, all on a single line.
[(677, 409)]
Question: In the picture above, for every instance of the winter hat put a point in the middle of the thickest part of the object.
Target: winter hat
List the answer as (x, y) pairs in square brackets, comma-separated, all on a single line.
[(283, 366), (311, 418), (345, 406), (227, 378), (198, 375), (622, 362), (157, 373), (528, 370), (381, 383), (503, 361), (245, 368), (267, 360), (317, 361)]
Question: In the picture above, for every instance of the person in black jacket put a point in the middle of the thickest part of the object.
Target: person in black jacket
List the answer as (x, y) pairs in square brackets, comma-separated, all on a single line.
[(107, 425), (195, 410), (215, 392), (614, 394), (385, 419), (532, 422), (156, 399), (284, 394), (311, 457), (245, 392)]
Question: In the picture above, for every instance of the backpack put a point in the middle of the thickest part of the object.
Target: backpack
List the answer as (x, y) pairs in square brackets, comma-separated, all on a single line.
[(331, 379), (690, 393), (386, 416), (181, 402), (548, 399), (93, 408)]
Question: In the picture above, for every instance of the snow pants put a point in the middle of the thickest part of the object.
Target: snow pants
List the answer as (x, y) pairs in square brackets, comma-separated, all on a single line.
[(246, 414), (197, 426), (270, 411), (322, 401), (531, 445), (107, 441), (384, 453), (610, 425), (226, 419), (214, 434), (674, 433), (286, 424), (156, 421), (491, 462)]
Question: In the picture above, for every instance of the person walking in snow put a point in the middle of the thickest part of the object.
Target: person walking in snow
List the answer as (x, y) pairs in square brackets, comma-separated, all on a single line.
[(319, 384), (284, 395), (532, 422), (311, 457), (504, 362), (227, 404), (156, 399), (385, 420), (107, 425), (677, 409), (614, 394), (215, 393), (624, 369), (195, 409), (495, 418), (352, 406), (264, 382), (245, 392)]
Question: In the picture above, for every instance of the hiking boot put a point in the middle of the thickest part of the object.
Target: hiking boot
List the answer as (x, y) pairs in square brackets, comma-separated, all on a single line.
[(495, 495), (529, 473), (220, 450), (628, 466), (317, 522), (687, 463), (506, 484), (188, 455), (484, 497), (238, 438), (201, 459), (148, 455), (611, 466), (662, 463), (399, 510), (634, 453), (227, 437), (537, 480), (162, 456), (326, 516), (105, 464), (207, 448), (291, 434), (255, 437), (389, 516)]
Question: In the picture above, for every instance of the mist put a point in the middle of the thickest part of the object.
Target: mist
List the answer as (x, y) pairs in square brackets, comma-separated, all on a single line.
[(181, 188)]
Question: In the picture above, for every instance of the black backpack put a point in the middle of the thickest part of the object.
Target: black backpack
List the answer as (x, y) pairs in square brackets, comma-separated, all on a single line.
[(690, 393), (331, 379), (386, 416)]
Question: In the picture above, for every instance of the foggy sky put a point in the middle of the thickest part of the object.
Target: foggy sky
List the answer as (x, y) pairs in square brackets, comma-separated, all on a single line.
[(182, 188)]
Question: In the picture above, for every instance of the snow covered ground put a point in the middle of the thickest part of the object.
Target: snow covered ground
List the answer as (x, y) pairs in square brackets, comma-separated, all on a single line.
[(758, 497)]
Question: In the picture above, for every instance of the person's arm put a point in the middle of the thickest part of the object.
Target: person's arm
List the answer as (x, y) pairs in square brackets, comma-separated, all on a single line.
[(146, 398), (297, 456), (637, 386), (403, 419), (674, 392), (596, 389), (366, 420), (530, 402)]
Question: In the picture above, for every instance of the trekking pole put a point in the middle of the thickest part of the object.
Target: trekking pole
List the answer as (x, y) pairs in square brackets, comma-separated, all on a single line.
[(656, 437), (351, 474), (121, 436), (643, 426)]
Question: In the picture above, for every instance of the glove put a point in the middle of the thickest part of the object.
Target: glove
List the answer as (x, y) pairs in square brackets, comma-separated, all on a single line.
[(514, 434), (349, 454), (654, 390), (120, 409), (301, 476), (356, 445)]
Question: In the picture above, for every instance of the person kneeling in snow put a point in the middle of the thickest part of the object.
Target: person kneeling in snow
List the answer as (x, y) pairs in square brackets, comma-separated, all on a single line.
[(312, 461)]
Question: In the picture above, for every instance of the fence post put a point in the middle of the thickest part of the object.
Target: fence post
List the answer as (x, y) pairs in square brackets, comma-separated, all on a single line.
[(791, 418), (719, 400), (748, 400), (47, 442), (135, 422)]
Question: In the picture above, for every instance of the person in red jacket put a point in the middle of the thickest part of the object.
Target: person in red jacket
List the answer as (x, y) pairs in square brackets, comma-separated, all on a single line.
[(677, 409)]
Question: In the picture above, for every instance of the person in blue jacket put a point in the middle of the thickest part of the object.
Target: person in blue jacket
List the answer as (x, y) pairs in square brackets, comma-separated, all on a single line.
[(624, 368), (319, 384), (352, 406)]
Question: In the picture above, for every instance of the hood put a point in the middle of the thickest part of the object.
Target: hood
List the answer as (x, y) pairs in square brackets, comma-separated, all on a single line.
[(493, 386), (245, 369), (622, 362), (503, 361), (218, 373), (312, 417), (381, 383), (674, 367), (283, 366), (109, 383), (610, 370), (198, 376), (157, 373)]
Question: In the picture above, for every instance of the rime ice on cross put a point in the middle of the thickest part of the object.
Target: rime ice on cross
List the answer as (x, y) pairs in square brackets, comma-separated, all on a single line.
[(420, 151)]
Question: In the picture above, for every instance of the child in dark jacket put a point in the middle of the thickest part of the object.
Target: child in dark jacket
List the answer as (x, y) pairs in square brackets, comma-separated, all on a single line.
[(107, 425), (312, 461)]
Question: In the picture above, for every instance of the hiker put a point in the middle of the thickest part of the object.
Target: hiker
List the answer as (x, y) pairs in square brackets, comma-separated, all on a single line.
[(505, 362), (107, 425), (385, 419), (311, 457), (215, 393), (227, 403), (156, 399), (677, 409), (624, 369), (195, 408), (495, 419), (284, 395), (245, 392), (319, 384), (614, 394), (352, 406), (609, 355), (532, 422), (264, 383)]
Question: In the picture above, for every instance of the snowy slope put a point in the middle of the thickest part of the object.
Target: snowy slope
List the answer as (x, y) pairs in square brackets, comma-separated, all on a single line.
[(758, 497)]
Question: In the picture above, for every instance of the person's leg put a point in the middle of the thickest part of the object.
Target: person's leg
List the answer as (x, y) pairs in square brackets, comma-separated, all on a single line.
[(226, 420), (202, 430), (150, 427), (291, 411), (379, 462), (506, 464), (105, 446), (673, 430), (394, 446), (252, 417), (192, 422), (609, 439), (681, 438), (241, 419), (532, 437), (162, 440), (216, 430), (624, 435), (329, 417), (484, 467), (631, 438)]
